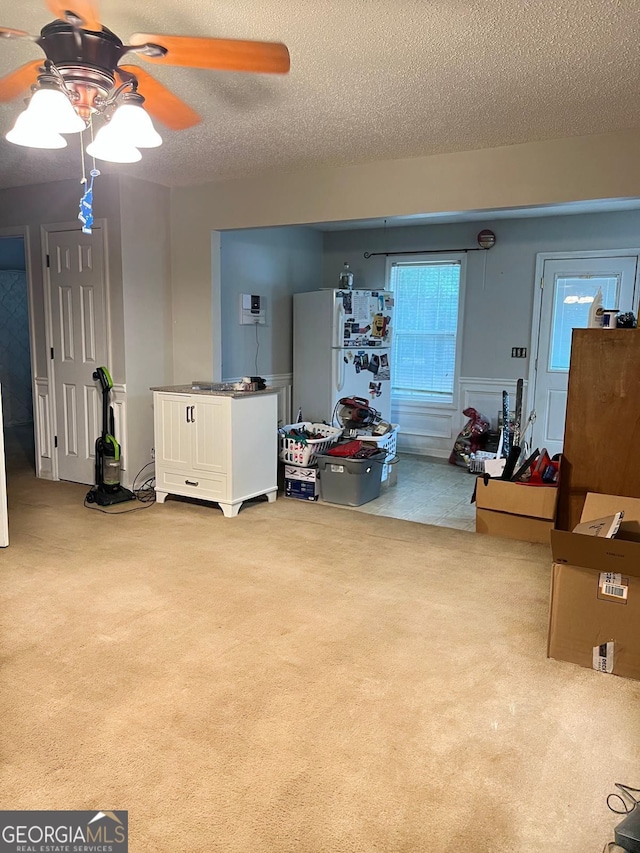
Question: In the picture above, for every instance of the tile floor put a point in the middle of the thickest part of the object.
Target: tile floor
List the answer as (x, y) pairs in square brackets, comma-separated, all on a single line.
[(428, 490)]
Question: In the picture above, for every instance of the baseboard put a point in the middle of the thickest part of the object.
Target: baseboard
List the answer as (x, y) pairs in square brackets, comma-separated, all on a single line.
[(42, 428)]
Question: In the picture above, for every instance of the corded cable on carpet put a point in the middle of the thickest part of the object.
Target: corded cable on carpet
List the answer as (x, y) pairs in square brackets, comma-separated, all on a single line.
[(627, 809), (626, 790), (145, 494)]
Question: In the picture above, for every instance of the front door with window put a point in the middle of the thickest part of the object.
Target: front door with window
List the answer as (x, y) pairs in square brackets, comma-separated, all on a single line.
[(569, 287)]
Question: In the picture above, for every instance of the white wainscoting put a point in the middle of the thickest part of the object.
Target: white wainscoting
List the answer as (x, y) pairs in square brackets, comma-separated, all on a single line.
[(485, 395), (431, 430), (424, 429), (284, 383), (118, 401), (42, 428)]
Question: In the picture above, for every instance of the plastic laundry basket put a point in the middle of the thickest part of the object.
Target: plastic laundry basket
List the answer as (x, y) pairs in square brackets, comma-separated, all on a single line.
[(296, 451), (388, 441)]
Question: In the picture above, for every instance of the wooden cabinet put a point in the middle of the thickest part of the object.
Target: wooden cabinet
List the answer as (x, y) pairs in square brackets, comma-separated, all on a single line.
[(602, 427), (216, 447)]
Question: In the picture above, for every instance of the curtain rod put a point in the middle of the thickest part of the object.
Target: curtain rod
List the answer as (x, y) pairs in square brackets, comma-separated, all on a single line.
[(426, 252)]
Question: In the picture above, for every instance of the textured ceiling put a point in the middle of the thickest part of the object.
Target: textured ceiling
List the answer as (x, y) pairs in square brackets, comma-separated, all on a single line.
[(372, 80)]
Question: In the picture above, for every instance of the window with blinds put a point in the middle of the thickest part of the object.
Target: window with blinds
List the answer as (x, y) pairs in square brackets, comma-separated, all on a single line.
[(425, 328)]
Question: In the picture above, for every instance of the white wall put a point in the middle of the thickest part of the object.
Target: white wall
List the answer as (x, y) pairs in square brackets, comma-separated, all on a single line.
[(24, 211), (274, 263), (554, 171), (500, 281), (195, 293), (31, 207), (146, 291), (138, 269), (498, 311)]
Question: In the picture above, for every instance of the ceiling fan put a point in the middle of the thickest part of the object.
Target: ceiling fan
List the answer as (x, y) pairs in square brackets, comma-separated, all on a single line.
[(82, 77)]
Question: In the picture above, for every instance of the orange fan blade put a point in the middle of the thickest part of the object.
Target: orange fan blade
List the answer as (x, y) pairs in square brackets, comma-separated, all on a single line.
[(161, 103), (14, 84), (86, 10), (265, 57), (8, 33)]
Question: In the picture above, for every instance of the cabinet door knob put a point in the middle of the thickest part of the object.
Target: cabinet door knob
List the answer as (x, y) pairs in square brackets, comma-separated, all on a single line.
[(186, 413), (193, 414), (191, 483)]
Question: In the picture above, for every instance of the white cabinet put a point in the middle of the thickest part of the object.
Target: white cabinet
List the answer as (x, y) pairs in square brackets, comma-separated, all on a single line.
[(216, 447)]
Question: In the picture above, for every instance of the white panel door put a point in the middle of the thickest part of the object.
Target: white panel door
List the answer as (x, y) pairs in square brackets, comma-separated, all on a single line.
[(569, 287), (79, 338)]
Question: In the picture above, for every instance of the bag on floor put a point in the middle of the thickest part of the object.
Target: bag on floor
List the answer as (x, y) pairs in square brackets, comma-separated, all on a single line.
[(471, 438)]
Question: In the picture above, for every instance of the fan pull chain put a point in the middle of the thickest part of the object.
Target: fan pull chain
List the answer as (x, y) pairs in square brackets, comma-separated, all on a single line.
[(93, 159), (86, 202), (84, 175)]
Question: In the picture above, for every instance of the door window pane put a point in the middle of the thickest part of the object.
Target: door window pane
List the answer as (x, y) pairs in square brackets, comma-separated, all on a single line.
[(572, 299)]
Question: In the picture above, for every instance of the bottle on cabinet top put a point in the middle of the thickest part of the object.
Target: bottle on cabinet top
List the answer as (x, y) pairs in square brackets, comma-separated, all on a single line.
[(596, 311), (345, 281)]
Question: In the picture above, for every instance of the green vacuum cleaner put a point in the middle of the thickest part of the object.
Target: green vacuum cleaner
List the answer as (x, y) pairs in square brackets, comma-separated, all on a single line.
[(107, 490)]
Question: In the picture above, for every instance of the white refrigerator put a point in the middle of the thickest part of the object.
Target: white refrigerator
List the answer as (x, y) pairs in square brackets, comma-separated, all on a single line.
[(341, 348)]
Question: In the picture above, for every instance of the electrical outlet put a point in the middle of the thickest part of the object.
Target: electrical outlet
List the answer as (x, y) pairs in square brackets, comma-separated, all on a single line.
[(518, 352), (153, 454)]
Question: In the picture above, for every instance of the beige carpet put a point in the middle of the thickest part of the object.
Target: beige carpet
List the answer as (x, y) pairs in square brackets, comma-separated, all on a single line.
[(300, 679)]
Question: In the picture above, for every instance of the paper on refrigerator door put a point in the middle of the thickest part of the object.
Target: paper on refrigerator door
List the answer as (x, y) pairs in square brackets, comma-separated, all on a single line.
[(377, 364), (364, 317), (360, 376)]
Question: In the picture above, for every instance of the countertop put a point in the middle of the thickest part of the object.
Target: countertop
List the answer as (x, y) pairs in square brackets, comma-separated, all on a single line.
[(213, 390)]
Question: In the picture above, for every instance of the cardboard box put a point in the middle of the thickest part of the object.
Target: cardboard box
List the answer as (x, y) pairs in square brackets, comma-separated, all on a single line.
[(301, 483), (594, 614), (304, 474), (515, 510), (300, 490)]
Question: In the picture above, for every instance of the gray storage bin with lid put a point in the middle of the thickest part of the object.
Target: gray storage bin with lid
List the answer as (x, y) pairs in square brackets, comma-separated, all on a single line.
[(350, 482)]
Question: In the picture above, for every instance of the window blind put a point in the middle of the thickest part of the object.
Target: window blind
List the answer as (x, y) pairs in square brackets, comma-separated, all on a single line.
[(425, 330)]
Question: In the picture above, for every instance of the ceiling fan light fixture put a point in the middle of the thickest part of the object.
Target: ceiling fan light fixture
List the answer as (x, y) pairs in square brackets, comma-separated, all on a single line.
[(131, 123), (112, 148), (33, 134), (53, 110)]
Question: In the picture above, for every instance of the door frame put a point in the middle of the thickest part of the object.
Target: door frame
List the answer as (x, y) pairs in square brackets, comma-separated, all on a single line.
[(45, 230), (541, 259)]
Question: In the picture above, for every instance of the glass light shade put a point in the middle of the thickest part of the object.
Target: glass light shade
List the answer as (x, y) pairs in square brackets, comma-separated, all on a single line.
[(131, 124), (33, 134), (110, 147), (52, 109)]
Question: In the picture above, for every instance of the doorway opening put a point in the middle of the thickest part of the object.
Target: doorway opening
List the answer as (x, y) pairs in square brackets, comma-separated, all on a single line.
[(15, 357)]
